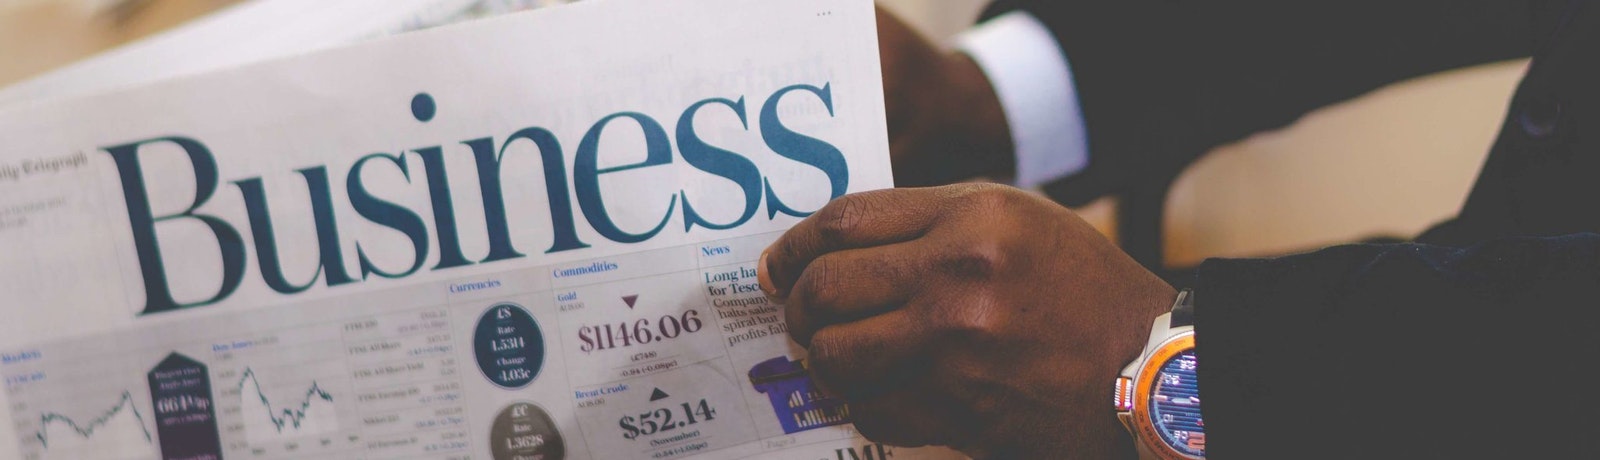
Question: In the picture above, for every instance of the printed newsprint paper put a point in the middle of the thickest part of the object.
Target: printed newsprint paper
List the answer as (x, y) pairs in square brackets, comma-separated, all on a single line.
[(527, 237)]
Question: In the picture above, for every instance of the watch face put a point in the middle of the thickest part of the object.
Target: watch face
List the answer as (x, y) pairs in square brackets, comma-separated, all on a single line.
[(1175, 406)]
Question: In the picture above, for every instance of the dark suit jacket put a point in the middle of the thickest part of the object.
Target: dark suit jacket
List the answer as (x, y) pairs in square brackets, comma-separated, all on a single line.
[(1481, 343)]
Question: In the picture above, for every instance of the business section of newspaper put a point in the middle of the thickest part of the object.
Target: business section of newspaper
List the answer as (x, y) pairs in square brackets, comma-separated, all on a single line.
[(671, 353)]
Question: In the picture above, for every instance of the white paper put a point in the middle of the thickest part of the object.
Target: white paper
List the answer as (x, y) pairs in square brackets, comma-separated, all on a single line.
[(320, 292)]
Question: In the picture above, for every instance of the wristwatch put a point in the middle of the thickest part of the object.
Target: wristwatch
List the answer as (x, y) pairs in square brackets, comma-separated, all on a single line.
[(1157, 397)]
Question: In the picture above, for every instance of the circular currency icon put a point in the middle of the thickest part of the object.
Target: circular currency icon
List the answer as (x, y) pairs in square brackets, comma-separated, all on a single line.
[(523, 431), (509, 346)]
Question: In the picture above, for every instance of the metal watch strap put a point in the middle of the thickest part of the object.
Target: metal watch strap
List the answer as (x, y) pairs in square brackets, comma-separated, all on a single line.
[(1183, 310), (1125, 393)]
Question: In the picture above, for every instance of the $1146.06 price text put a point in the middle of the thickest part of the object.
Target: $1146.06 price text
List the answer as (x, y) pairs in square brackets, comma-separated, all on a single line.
[(638, 332)]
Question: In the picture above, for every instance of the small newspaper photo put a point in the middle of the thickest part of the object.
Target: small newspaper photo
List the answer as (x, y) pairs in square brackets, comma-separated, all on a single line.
[(526, 237)]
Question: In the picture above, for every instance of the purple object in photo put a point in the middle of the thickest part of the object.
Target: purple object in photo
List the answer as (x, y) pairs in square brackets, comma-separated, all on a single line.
[(794, 398)]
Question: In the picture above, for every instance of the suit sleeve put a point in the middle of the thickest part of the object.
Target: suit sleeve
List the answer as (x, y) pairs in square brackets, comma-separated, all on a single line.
[(1403, 351), (1161, 81)]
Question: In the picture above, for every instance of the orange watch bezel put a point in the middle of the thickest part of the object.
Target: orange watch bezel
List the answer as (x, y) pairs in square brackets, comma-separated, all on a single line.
[(1141, 393)]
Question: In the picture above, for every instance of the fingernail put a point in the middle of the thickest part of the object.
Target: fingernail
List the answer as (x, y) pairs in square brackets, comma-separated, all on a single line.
[(764, 276)]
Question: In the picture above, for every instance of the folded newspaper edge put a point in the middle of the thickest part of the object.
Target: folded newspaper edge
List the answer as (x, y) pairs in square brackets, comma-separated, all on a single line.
[(526, 237)]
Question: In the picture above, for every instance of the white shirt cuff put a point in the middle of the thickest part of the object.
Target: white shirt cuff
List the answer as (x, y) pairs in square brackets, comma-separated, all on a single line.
[(1034, 83)]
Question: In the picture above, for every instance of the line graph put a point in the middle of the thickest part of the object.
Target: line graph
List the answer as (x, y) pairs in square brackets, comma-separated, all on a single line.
[(120, 430), (284, 394), (87, 430), (312, 412)]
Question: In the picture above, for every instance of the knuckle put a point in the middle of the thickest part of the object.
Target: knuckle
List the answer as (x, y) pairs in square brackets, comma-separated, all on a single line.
[(979, 260), (817, 286), (973, 387), (978, 324), (986, 401), (827, 354), (842, 218), (990, 196), (978, 320)]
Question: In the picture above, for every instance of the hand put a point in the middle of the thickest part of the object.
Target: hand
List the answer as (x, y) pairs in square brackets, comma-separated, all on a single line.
[(945, 121), (975, 316)]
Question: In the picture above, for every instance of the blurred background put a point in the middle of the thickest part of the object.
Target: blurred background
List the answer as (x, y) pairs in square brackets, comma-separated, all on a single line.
[(1294, 189)]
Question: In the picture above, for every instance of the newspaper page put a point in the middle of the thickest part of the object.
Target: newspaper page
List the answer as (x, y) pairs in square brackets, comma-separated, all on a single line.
[(526, 237)]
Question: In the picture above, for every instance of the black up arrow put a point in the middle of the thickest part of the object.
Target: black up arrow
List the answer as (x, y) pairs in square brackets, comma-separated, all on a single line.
[(657, 395)]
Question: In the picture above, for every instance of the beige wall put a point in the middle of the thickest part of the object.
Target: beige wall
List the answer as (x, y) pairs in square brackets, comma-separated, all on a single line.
[(1393, 162), (936, 18), (39, 35)]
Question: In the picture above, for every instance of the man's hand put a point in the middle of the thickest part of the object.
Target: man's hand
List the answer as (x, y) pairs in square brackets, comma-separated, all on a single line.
[(975, 316), (945, 121)]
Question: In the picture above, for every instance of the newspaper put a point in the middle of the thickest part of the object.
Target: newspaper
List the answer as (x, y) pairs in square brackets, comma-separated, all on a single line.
[(526, 237)]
